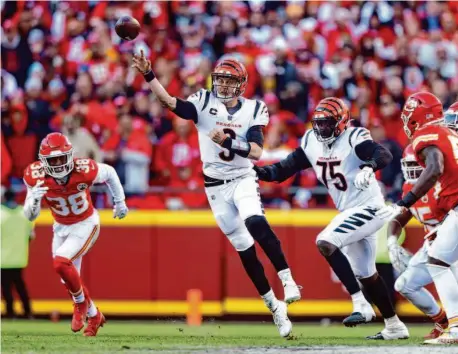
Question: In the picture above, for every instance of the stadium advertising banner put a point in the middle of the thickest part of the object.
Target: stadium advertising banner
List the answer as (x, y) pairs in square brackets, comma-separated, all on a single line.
[(146, 264)]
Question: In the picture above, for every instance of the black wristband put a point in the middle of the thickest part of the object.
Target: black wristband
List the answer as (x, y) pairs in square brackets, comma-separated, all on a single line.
[(409, 200), (227, 143), (240, 148), (149, 76), (372, 164)]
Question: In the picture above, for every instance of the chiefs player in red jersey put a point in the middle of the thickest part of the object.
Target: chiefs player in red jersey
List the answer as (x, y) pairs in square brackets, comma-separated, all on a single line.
[(414, 275), (64, 183), (436, 149)]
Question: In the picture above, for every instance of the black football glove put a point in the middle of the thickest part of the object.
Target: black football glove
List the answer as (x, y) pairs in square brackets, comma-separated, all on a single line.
[(265, 173)]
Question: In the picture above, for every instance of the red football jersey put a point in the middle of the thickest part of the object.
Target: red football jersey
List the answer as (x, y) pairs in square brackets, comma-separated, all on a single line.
[(447, 141), (69, 203), (426, 210)]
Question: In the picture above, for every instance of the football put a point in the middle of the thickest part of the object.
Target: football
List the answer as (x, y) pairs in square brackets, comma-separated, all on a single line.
[(127, 28)]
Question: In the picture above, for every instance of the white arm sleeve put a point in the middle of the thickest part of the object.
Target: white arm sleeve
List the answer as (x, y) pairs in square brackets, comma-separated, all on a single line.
[(107, 174), (31, 207)]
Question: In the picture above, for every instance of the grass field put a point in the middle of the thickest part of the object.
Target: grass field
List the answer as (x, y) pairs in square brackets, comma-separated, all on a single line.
[(175, 337)]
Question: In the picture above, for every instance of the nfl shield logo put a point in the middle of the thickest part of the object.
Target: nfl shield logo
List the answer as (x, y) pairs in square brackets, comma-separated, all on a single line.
[(82, 186)]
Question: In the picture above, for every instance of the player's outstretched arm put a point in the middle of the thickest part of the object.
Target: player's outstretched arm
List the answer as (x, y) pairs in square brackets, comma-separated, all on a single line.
[(32, 204), (183, 109), (396, 225), (281, 171), (399, 257), (107, 174), (434, 161)]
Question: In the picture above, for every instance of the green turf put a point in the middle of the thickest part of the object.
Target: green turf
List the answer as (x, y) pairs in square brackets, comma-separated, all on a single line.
[(45, 336)]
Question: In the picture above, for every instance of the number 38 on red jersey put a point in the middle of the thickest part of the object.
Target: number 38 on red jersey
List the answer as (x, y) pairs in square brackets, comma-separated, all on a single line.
[(69, 203)]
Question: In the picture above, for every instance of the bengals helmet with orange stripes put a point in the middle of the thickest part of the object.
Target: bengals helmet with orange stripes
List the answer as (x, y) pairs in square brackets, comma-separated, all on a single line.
[(229, 80), (330, 119)]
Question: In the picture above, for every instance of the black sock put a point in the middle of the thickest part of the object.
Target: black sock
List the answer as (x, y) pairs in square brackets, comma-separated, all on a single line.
[(340, 265), (255, 270), (260, 229), (378, 292)]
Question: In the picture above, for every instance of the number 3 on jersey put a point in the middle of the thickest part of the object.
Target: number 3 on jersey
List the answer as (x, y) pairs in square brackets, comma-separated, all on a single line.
[(228, 155), (326, 166)]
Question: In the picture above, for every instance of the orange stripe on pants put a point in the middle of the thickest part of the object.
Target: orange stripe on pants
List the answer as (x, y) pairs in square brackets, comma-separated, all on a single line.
[(86, 244)]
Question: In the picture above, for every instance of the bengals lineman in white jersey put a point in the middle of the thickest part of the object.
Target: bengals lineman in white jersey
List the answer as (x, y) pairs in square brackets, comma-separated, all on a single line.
[(230, 137), (345, 159), (63, 183)]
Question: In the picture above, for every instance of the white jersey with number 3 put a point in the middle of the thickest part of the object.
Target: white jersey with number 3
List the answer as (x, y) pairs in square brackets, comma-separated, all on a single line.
[(336, 166), (218, 162)]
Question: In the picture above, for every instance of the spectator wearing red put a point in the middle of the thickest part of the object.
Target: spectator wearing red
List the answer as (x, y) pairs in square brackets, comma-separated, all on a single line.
[(99, 119), (178, 160), (20, 143), (6, 163), (130, 151), (292, 128), (16, 54)]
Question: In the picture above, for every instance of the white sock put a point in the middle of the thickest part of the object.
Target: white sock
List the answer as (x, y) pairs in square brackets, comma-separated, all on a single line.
[(79, 298), (392, 321), (270, 300), (447, 288), (285, 275), (358, 300), (92, 310)]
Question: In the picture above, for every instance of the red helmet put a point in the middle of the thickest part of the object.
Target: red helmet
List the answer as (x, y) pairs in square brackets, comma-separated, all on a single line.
[(229, 79), (451, 117), (330, 119), (421, 108), (56, 154), (411, 169)]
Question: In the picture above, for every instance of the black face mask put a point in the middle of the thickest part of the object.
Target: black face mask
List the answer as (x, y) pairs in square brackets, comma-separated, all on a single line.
[(324, 128)]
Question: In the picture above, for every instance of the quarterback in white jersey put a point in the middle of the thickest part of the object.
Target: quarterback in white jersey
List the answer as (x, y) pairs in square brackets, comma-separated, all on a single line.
[(230, 136), (344, 159)]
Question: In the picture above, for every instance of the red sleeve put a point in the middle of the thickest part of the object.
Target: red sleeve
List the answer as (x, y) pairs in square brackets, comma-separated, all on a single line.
[(99, 10), (406, 188), (6, 163), (432, 135)]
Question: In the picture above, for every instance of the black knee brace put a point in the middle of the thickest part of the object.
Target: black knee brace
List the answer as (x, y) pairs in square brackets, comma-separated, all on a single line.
[(260, 229)]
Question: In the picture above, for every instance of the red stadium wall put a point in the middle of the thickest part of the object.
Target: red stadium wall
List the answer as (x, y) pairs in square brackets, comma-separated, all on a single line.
[(146, 263)]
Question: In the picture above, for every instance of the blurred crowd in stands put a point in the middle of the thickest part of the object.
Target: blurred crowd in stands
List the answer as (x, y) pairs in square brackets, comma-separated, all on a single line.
[(63, 68)]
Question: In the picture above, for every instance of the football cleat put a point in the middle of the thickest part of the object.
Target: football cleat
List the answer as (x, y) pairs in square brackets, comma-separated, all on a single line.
[(398, 331), (292, 291), (448, 337), (365, 315), (93, 324), (435, 332), (281, 320), (79, 315)]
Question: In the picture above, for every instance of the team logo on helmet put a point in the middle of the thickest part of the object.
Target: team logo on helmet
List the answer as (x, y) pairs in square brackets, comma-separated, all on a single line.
[(410, 106)]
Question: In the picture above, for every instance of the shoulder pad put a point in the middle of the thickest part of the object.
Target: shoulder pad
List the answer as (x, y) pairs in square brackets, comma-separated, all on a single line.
[(34, 172)]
